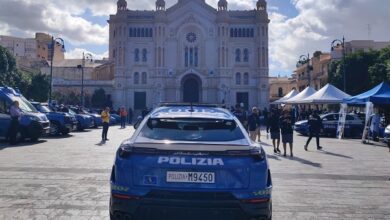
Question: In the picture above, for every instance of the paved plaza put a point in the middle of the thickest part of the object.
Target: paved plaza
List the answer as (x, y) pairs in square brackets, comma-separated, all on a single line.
[(68, 178)]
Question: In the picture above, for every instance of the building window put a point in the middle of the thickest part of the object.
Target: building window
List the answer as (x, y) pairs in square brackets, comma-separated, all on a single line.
[(246, 78), (144, 55), (246, 55), (191, 56), (136, 55), (238, 78), (144, 78), (280, 92), (136, 78), (238, 55), (186, 57)]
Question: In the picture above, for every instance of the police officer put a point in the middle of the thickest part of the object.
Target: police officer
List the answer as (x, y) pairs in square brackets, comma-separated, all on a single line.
[(106, 123), (315, 127), (15, 113)]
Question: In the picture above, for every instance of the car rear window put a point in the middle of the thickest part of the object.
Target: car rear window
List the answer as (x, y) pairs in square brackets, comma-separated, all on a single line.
[(191, 129)]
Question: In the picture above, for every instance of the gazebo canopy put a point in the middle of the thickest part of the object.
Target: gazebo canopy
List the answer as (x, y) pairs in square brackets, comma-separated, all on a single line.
[(328, 94), (291, 94), (302, 95), (379, 95)]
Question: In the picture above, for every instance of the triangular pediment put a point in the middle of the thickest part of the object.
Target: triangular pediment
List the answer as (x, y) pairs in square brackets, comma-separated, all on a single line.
[(192, 5), (191, 11)]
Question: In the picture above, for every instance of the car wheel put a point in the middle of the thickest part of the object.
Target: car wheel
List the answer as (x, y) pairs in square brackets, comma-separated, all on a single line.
[(19, 136), (54, 129)]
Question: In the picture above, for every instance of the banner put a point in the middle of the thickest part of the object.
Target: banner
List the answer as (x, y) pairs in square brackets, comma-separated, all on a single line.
[(341, 123), (369, 111)]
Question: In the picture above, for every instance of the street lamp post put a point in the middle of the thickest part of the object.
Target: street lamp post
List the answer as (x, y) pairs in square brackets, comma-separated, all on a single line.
[(305, 59), (336, 44), (89, 57), (53, 42)]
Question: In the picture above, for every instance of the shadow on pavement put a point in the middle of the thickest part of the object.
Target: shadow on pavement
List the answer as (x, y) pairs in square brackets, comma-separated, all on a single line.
[(4, 144), (58, 136), (334, 154), (101, 143), (304, 161), (275, 157)]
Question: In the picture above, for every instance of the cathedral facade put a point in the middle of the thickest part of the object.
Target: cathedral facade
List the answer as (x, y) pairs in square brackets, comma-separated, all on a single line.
[(190, 52)]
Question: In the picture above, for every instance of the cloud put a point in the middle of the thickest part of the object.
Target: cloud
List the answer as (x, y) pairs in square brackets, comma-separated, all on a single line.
[(27, 17), (321, 21), (77, 53)]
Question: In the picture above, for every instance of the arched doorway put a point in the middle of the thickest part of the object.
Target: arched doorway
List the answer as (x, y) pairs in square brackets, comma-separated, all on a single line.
[(191, 88)]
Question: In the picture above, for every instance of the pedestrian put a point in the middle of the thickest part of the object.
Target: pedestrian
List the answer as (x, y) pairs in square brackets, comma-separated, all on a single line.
[(240, 114), (130, 114), (123, 114), (253, 123), (144, 112), (315, 127), (106, 123), (374, 126), (273, 127), (286, 127), (15, 113)]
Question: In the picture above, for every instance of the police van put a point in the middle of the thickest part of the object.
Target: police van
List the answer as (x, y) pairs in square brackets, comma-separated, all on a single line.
[(190, 162), (32, 124)]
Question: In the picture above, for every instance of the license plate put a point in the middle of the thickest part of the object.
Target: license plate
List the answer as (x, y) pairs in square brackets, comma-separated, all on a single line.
[(190, 177)]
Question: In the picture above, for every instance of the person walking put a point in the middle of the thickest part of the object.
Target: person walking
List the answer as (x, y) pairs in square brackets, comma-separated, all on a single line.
[(273, 127), (130, 114), (286, 128), (123, 114), (106, 123), (253, 123), (15, 113), (315, 127)]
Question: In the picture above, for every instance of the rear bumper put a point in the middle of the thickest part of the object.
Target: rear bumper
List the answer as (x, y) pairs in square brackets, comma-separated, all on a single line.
[(143, 208)]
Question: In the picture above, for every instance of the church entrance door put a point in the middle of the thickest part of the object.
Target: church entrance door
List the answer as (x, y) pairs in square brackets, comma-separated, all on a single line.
[(191, 88)]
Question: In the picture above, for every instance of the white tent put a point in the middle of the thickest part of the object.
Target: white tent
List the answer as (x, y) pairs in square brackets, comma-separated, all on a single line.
[(302, 95), (326, 95), (289, 95)]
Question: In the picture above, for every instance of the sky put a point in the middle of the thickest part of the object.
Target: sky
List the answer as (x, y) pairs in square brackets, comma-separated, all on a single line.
[(297, 26)]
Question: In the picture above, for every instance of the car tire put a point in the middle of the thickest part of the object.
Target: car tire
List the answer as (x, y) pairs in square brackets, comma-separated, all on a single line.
[(54, 129)]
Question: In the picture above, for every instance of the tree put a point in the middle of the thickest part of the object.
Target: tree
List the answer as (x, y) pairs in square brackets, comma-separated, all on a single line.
[(98, 99), (8, 73), (364, 70), (39, 88)]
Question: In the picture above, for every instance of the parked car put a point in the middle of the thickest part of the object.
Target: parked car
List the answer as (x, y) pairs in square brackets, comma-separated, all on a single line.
[(386, 136), (60, 122), (83, 121), (190, 159), (33, 124), (353, 125), (97, 119)]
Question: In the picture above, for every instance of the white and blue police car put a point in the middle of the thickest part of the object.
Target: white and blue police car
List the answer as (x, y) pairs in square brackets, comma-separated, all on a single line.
[(190, 162)]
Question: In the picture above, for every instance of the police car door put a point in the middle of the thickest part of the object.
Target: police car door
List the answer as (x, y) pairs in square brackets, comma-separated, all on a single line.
[(5, 119)]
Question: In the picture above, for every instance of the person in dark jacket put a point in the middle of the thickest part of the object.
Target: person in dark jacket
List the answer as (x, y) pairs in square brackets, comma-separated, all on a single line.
[(315, 127), (273, 127), (15, 113), (254, 124), (130, 115), (286, 127)]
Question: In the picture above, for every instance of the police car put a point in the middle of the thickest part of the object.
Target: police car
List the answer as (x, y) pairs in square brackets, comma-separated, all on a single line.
[(190, 162), (353, 125)]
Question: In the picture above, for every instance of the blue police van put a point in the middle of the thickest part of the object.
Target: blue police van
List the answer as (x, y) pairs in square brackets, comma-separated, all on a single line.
[(190, 162), (60, 122), (33, 124)]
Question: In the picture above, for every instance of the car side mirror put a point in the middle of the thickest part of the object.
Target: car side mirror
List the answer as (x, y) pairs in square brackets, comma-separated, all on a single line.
[(136, 125)]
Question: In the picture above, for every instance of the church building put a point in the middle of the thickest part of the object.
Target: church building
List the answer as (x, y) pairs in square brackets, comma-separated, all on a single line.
[(189, 52)]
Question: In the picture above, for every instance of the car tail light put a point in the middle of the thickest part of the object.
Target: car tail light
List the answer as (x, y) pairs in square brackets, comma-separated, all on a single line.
[(128, 197), (256, 200), (125, 151), (258, 154)]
